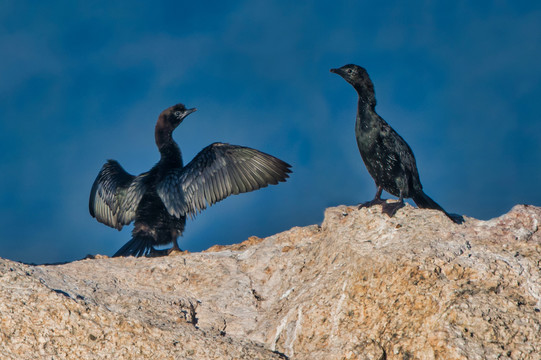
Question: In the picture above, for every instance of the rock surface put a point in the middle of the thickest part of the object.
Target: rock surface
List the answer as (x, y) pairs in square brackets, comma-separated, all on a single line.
[(360, 286)]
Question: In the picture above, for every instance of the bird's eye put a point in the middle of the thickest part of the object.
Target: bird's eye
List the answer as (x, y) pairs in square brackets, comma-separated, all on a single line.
[(350, 71), (177, 113)]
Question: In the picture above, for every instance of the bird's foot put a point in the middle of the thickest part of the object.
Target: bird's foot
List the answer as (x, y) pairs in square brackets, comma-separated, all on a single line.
[(157, 253), (391, 208), (163, 252), (174, 250), (371, 203)]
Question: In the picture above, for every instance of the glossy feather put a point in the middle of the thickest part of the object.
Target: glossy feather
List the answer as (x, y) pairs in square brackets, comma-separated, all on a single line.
[(158, 201)]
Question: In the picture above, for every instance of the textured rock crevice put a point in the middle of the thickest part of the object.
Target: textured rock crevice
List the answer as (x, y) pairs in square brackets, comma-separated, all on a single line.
[(361, 285)]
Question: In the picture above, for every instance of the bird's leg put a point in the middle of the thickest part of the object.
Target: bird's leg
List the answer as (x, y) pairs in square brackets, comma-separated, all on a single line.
[(376, 201), (174, 248), (391, 208)]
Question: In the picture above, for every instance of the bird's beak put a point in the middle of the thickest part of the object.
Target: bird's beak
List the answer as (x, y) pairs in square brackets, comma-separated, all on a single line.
[(189, 111), (337, 71)]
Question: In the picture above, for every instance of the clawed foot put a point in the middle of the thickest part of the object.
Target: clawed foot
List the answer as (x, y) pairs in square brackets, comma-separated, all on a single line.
[(371, 203), (157, 253), (386, 208), (391, 208), (173, 250), (163, 252)]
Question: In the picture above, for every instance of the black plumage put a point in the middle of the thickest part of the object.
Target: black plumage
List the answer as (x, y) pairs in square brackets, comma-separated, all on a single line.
[(158, 201), (387, 156)]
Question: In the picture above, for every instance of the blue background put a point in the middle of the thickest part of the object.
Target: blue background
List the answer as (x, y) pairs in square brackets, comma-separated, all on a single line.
[(82, 82)]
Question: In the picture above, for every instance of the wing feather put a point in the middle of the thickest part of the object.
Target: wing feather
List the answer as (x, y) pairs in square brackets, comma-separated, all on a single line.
[(237, 179), (219, 170), (115, 195), (252, 183)]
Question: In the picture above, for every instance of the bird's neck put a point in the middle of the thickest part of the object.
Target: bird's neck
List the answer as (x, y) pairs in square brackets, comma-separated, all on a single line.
[(169, 150), (366, 109), (367, 99), (367, 119)]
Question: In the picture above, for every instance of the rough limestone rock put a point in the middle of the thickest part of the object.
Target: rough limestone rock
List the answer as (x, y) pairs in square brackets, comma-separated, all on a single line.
[(360, 286)]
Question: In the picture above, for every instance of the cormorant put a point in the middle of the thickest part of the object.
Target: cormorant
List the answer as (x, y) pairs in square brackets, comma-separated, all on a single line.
[(159, 200), (387, 156)]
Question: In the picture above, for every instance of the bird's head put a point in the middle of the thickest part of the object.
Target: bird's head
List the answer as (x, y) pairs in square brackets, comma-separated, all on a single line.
[(358, 77), (168, 121), (173, 116)]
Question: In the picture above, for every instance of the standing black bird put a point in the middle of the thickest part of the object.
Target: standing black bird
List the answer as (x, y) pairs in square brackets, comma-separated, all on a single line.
[(387, 156), (159, 200)]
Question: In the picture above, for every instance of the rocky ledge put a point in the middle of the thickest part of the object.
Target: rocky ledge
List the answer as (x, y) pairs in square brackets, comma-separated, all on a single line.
[(360, 286)]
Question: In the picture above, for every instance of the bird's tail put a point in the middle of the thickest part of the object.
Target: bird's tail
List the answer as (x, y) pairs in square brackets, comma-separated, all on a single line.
[(139, 245), (425, 202)]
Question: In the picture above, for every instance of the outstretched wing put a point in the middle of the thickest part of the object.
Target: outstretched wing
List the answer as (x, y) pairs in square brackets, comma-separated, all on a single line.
[(115, 195), (218, 171)]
